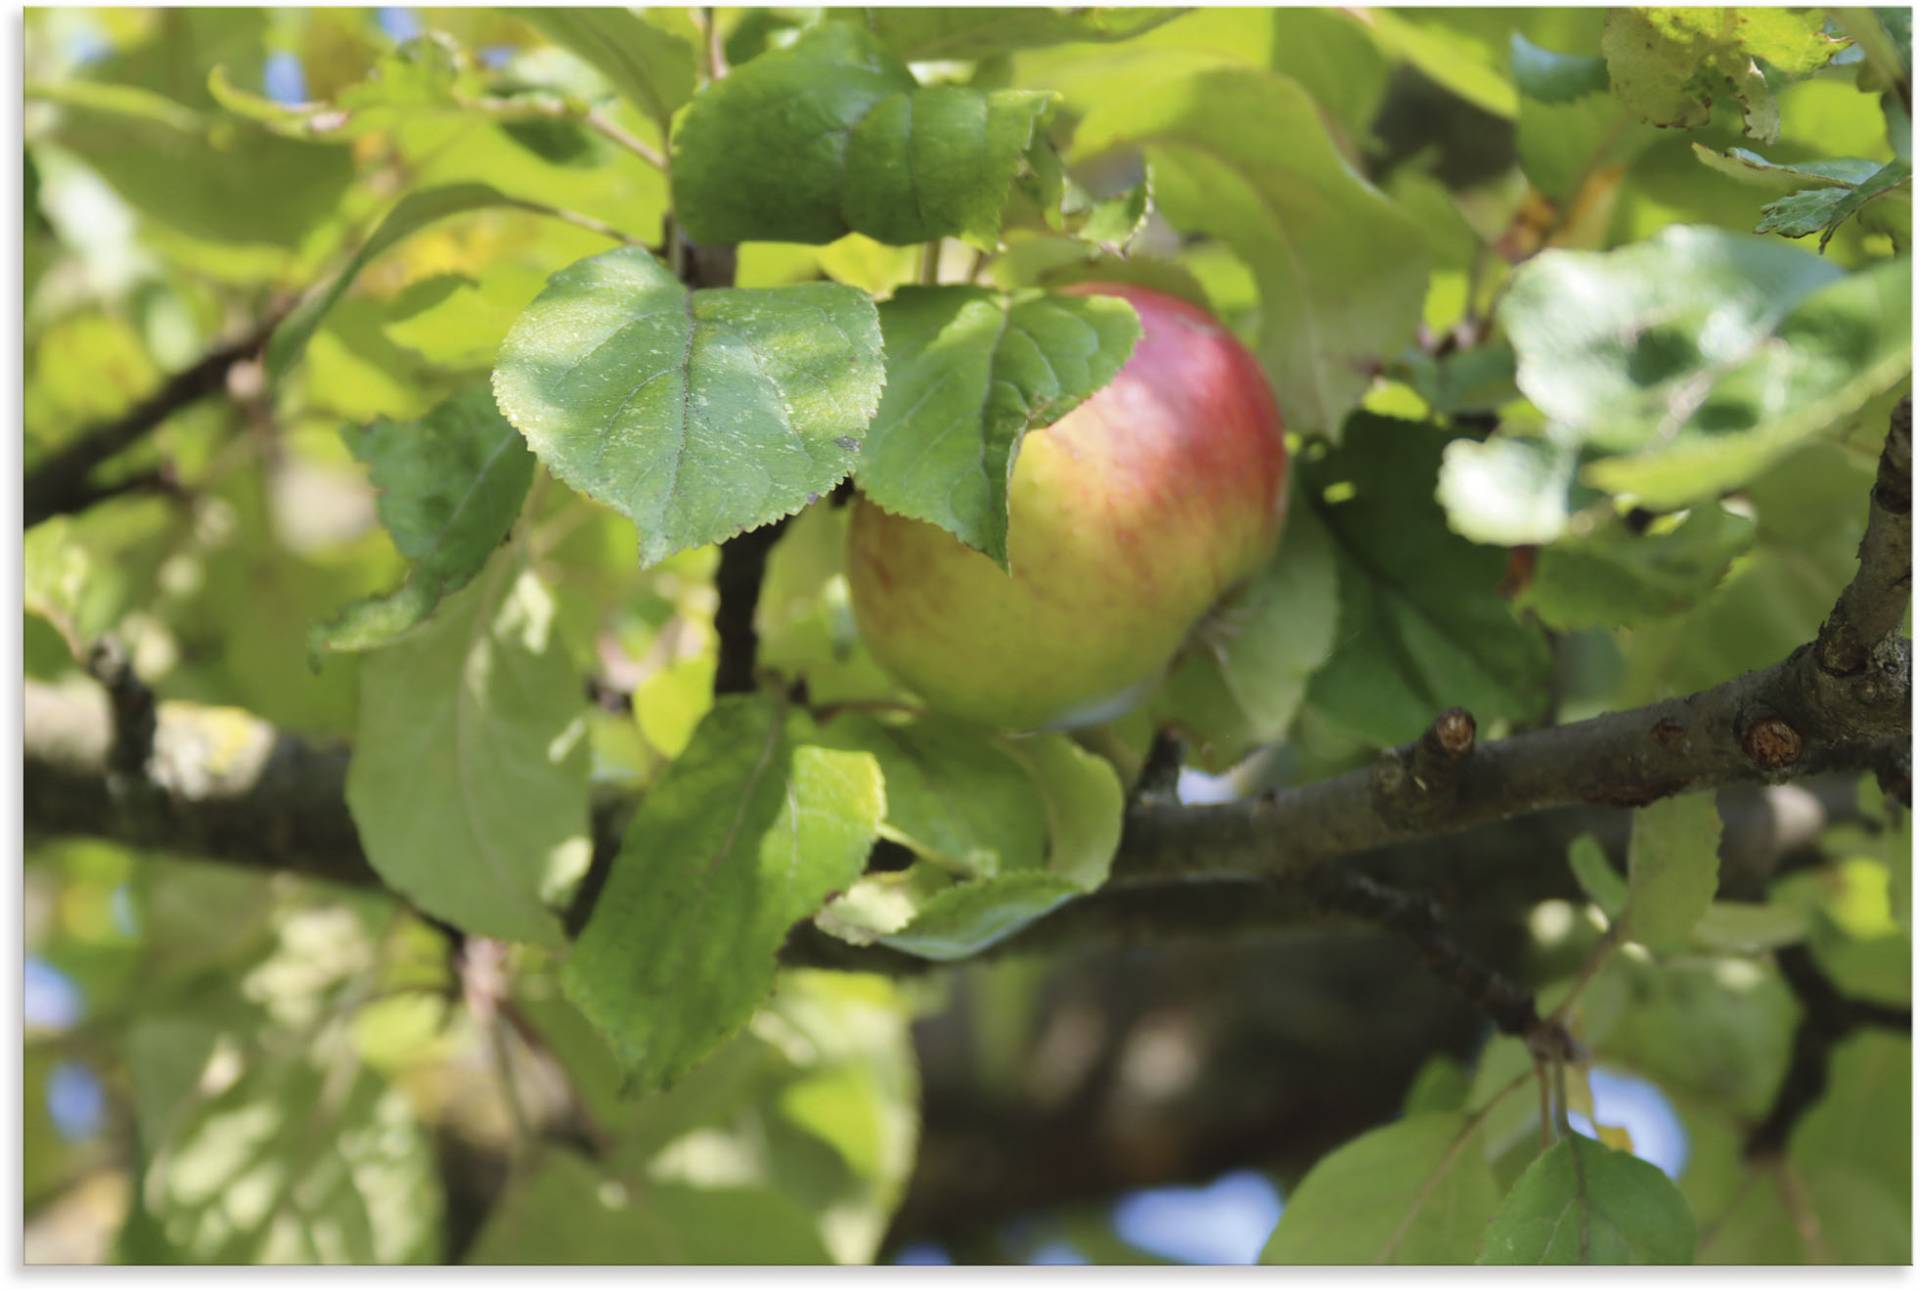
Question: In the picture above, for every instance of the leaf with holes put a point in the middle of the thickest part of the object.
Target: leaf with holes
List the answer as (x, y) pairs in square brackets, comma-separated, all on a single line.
[(695, 414), (969, 372), (469, 774)]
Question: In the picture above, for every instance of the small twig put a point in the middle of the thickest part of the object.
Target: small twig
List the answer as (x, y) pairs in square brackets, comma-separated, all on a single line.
[(618, 135), (930, 263), (59, 484), (1416, 918), (1602, 951), (716, 47), (581, 220), (1160, 777)]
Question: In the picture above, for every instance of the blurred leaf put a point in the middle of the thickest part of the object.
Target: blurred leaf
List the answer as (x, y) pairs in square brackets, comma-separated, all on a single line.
[(207, 179), (650, 66), (915, 34), (1568, 125), (969, 372), (832, 135), (1748, 929), (748, 833), (1673, 867), (1596, 875), (1341, 270), (1700, 356), (1615, 577), (1422, 623), (567, 1210), (1246, 670), (1622, 1210), (412, 213), (695, 414), (1406, 1193), (293, 1164), (451, 486), (1507, 490), (469, 774)]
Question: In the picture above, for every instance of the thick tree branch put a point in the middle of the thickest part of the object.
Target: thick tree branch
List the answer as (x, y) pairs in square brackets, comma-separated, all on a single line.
[(234, 789), (61, 483), (1876, 600)]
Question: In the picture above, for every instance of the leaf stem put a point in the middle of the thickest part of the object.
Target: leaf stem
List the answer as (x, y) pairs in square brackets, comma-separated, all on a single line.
[(619, 136), (930, 264)]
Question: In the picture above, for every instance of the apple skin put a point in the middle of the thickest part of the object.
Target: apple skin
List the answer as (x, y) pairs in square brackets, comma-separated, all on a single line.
[(1127, 520)]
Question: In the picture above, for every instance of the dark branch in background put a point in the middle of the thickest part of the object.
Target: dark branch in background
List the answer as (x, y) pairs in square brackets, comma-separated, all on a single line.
[(743, 567), (61, 483), (1826, 1018), (1416, 919)]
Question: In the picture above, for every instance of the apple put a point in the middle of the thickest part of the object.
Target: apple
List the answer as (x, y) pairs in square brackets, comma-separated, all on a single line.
[(1127, 520)]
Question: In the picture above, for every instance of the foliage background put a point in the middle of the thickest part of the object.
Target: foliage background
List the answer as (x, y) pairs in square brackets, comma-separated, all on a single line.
[(1570, 438)]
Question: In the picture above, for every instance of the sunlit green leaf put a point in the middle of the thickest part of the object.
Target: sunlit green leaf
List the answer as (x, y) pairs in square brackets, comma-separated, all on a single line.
[(696, 414)]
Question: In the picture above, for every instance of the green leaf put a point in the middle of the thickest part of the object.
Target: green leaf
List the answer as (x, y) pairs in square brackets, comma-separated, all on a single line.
[(1618, 578), (293, 1165), (695, 414), (1342, 272), (1700, 356), (1848, 1152), (568, 1211), (1669, 65), (651, 67), (1823, 210), (832, 135), (1568, 127), (469, 774), (1422, 624), (1411, 1192), (1244, 674), (954, 795), (1448, 52), (915, 34), (1742, 928), (1596, 875), (411, 214), (969, 372), (451, 486), (1754, 170), (928, 911), (747, 834), (212, 180), (1673, 867), (1585, 1203)]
